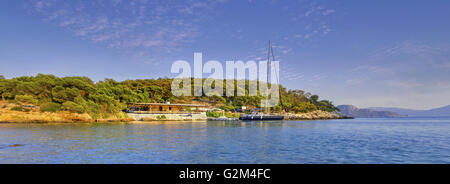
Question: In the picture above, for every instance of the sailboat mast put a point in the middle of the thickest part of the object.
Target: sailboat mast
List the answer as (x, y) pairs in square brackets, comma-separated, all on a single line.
[(268, 70), (278, 80)]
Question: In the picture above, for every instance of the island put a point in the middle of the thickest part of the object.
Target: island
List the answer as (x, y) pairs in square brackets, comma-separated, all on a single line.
[(48, 98)]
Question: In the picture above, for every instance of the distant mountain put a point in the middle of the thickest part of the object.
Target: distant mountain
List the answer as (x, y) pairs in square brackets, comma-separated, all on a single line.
[(353, 111), (437, 112)]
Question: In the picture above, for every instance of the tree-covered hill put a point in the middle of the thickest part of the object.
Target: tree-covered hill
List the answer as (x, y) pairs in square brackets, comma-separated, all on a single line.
[(103, 98)]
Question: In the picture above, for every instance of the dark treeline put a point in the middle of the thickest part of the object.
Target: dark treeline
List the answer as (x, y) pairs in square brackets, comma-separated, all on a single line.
[(101, 99)]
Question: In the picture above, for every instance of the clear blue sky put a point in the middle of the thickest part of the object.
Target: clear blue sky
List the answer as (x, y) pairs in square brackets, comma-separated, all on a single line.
[(367, 53)]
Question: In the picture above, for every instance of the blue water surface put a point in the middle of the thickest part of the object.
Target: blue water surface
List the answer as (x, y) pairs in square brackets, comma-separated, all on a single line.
[(396, 140)]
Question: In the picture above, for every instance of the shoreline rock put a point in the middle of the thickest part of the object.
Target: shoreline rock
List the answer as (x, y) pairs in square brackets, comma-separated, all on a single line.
[(35, 116), (315, 115)]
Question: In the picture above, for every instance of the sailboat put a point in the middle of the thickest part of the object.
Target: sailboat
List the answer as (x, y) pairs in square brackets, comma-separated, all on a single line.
[(266, 115)]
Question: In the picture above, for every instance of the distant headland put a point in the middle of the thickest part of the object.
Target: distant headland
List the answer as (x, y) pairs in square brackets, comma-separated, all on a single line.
[(351, 110), (389, 112)]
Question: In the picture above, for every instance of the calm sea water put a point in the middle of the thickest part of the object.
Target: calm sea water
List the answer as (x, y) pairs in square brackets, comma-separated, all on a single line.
[(401, 140)]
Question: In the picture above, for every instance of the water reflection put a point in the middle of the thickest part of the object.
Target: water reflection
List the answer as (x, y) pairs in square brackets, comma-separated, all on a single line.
[(335, 141)]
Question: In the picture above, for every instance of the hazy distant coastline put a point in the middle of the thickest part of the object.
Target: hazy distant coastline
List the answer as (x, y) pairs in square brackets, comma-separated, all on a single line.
[(388, 112), (436, 112), (353, 111)]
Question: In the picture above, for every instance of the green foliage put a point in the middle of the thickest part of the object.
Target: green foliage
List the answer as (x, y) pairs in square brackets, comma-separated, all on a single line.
[(161, 117), (314, 98), (232, 115), (50, 107), (109, 97), (216, 99), (2, 77), (26, 99), (228, 107), (73, 107), (327, 106), (214, 114), (220, 114), (17, 108), (277, 109), (305, 107)]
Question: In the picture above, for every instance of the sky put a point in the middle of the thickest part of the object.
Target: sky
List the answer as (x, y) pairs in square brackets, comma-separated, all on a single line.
[(379, 53)]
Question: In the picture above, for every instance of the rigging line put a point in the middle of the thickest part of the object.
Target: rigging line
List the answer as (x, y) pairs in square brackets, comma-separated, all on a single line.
[(278, 81), (268, 71)]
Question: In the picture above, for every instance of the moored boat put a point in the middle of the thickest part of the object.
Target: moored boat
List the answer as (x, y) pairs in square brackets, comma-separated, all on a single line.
[(223, 119), (252, 117), (264, 116)]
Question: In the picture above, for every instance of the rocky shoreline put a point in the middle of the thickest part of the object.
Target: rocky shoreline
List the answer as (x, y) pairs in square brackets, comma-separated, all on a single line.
[(67, 117), (316, 115), (7, 115)]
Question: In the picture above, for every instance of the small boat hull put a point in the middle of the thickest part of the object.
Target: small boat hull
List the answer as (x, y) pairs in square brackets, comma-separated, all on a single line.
[(223, 119), (260, 117)]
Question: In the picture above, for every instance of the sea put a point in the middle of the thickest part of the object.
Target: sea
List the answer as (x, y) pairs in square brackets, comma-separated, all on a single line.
[(343, 141)]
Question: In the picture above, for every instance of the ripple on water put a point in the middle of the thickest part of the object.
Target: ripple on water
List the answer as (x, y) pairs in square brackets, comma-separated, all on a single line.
[(402, 140)]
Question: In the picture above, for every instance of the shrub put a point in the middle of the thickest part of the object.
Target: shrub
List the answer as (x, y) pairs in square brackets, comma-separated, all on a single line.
[(94, 109), (17, 108), (227, 107), (214, 114), (50, 107), (72, 107), (161, 117), (232, 115), (26, 99), (305, 107)]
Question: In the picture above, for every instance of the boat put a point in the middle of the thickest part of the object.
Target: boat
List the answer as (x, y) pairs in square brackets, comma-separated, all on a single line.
[(260, 116), (223, 119), (264, 116)]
